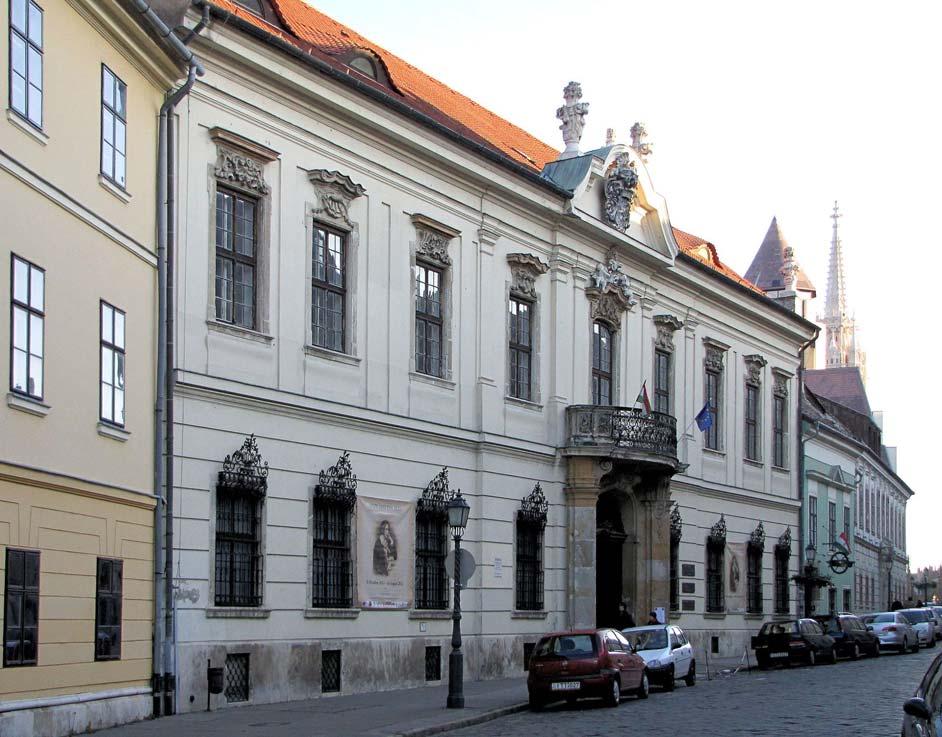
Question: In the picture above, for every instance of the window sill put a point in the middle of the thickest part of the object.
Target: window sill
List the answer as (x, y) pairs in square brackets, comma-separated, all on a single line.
[(714, 615), (114, 432), (674, 615), (781, 469), (115, 189), (234, 612), (326, 353), (433, 380), (429, 614), (528, 614), (28, 128), (315, 613), (524, 404), (27, 404), (714, 452), (753, 463), (236, 331), (753, 615)]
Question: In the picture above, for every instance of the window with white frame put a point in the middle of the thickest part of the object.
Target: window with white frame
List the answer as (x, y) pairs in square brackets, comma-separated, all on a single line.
[(236, 264), (112, 364), (520, 347), (26, 60), (779, 420), (428, 320), (602, 363), (328, 288), (27, 318), (114, 116), (752, 412)]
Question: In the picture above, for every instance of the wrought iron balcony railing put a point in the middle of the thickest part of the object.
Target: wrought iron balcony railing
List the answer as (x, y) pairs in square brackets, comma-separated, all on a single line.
[(623, 431)]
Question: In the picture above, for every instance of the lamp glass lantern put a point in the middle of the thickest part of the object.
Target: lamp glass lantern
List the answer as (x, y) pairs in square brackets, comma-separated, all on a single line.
[(810, 552), (458, 512)]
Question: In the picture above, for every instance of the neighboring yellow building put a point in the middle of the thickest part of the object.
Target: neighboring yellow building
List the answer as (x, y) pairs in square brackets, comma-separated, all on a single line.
[(84, 85)]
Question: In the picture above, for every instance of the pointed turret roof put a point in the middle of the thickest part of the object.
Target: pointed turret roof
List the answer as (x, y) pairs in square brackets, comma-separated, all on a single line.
[(766, 268)]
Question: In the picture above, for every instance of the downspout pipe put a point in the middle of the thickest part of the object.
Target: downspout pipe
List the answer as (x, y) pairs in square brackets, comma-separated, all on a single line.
[(163, 662), (801, 446)]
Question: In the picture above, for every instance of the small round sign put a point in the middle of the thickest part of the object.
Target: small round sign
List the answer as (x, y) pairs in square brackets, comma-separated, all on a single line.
[(839, 562), (468, 565)]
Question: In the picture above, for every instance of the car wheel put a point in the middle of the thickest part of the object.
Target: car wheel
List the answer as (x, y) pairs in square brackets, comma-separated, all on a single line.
[(931, 643), (763, 663), (614, 693), (915, 647), (645, 688), (669, 683), (855, 652), (832, 656), (812, 657), (691, 678), (536, 703), (876, 650)]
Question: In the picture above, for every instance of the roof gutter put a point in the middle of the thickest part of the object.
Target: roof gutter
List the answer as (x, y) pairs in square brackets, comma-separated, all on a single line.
[(383, 98)]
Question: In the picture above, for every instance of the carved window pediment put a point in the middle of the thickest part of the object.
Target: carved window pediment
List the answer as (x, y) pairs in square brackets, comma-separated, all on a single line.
[(240, 162), (715, 353), (754, 365), (780, 384), (525, 268), (610, 292), (432, 239), (335, 192), (666, 326)]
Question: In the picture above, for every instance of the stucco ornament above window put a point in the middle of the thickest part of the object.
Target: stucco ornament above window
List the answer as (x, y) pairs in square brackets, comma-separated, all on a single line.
[(240, 170), (338, 483), (432, 239), (572, 115), (245, 469), (533, 507), (666, 326), (335, 192), (621, 186), (754, 365), (525, 268), (779, 385)]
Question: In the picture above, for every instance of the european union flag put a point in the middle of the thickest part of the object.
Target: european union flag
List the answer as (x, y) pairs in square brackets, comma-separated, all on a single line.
[(704, 418)]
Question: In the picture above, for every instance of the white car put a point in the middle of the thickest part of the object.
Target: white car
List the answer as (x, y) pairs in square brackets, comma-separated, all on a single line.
[(667, 653), (923, 623)]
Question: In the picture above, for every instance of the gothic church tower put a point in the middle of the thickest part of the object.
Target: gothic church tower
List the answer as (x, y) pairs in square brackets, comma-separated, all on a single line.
[(841, 347)]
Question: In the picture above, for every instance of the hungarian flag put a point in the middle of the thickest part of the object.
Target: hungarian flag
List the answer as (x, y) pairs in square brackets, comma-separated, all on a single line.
[(843, 542), (643, 398)]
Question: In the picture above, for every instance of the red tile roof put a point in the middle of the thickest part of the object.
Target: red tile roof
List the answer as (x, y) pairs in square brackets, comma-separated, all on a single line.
[(843, 384), (705, 252), (325, 38)]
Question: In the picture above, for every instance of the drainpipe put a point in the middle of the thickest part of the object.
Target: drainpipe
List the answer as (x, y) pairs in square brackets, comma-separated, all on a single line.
[(801, 444), (163, 661)]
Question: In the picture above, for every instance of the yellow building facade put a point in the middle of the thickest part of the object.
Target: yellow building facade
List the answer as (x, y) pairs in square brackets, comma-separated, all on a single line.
[(83, 85)]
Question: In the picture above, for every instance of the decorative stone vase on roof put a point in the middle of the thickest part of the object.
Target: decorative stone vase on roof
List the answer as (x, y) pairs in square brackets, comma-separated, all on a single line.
[(642, 147), (572, 115)]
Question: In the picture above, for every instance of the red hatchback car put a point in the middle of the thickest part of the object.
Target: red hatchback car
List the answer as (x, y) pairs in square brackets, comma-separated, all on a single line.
[(583, 664)]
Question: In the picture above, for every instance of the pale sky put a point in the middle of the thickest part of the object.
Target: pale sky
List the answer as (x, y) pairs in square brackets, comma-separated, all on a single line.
[(755, 109)]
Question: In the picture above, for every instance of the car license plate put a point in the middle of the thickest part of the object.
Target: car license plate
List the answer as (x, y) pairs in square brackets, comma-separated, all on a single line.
[(565, 686), (778, 655)]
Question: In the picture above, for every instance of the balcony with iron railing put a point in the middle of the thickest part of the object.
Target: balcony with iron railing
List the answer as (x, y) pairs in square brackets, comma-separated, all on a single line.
[(622, 433)]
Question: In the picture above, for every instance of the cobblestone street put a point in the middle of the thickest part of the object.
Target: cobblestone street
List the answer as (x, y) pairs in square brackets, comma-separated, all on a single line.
[(850, 699)]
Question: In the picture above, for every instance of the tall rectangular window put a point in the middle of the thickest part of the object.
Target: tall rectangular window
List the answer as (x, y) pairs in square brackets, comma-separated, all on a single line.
[(778, 431), (782, 554), (236, 239), (108, 609), (114, 125), (753, 579), (28, 319), (332, 576), (662, 380), (238, 548), (112, 364), (328, 289), (529, 565), (520, 347), (601, 364), (752, 422), (847, 523), (716, 595), (26, 60), (813, 520), (21, 608), (832, 522), (712, 433), (428, 320), (431, 547), (675, 573), (847, 601)]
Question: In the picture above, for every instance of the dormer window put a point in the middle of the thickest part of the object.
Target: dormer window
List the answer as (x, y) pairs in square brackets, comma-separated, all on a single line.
[(253, 6), (364, 65)]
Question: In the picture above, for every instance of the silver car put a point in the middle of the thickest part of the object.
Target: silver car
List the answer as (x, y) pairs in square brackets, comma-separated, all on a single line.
[(936, 612), (923, 623), (894, 630), (923, 712)]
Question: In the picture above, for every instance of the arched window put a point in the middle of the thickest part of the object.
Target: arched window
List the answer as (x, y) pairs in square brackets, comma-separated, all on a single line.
[(364, 65), (601, 363)]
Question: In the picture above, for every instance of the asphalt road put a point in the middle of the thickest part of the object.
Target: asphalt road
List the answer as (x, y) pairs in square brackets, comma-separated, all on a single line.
[(861, 698)]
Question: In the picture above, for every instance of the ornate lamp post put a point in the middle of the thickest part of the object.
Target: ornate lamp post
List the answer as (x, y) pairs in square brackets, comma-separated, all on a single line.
[(458, 511), (810, 571)]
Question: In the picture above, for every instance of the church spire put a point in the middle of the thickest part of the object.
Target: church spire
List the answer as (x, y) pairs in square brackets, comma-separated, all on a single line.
[(836, 300), (841, 346)]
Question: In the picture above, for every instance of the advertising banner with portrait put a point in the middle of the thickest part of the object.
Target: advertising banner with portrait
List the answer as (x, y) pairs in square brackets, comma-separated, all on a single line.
[(385, 558)]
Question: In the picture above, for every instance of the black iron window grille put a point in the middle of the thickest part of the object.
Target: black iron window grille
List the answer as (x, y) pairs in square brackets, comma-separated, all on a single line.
[(108, 609), (528, 648), (716, 559), (431, 544), (27, 319), (755, 549), (114, 127), (330, 671), (433, 663), (778, 431), (712, 433), (662, 382), (813, 520), (783, 552), (428, 320), (21, 608), (26, 60), (677, 526), (334, 499), (237, 677), (531, 522), (113, 361), (240, 493), (752, 423), (521, 345), (236, 259), (328, 288), (601, 364)]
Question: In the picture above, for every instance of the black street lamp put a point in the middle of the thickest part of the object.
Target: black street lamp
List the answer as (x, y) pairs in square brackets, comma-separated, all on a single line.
[(458, 511), (811, 570)]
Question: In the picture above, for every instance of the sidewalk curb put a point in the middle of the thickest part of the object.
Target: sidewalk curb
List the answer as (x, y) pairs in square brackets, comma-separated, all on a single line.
[(466, 722)]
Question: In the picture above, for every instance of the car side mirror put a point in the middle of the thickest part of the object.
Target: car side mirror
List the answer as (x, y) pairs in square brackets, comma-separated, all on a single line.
[(918, 708), (869, 628)]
